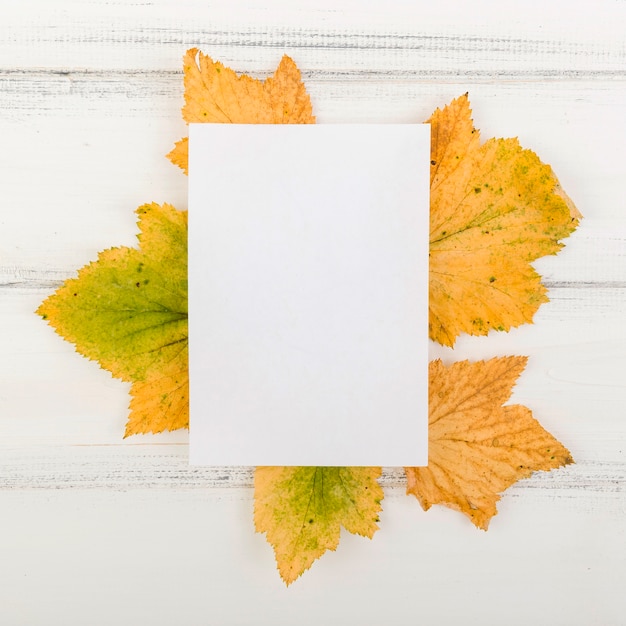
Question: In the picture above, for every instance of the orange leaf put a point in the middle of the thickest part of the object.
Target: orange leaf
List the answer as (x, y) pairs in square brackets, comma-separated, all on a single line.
[(179, 155), (161, 401), (477, 447), (214, 93)]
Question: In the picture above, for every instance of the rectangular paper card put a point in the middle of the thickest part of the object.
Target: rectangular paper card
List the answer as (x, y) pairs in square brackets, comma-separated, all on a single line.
[(308, 294)]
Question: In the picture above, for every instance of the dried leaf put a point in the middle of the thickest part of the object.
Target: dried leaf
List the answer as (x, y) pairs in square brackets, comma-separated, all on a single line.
[(214, 93), (180, 154), (302, 510), (477, 447), (128, 311), (494, 209)]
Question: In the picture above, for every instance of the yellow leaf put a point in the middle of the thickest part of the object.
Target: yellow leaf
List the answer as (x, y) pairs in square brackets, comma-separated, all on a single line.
[(214, 93), (494, 209), (180, 154), (302, 510), (161, 401), (477, 447)]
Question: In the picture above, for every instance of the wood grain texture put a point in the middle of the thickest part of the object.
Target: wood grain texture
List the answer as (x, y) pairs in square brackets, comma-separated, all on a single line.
[(97, 530)]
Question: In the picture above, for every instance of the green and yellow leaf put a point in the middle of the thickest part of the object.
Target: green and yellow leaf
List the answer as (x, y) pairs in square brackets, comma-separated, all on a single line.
[(302, 509), (128, 312)]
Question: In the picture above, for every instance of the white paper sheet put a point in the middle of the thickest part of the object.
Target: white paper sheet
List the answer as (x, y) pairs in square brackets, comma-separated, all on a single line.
[(308, 294)]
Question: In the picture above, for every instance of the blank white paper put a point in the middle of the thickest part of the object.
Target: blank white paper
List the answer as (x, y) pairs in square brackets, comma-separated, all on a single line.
[(308, 294)]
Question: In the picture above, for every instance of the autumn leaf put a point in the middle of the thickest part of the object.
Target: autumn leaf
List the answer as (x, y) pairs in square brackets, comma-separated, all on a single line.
[(128, 311), (494, 209), (302, 509), (477, 447), (214, 93)]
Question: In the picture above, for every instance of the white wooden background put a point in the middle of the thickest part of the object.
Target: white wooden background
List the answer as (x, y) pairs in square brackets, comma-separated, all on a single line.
[(95, 530)]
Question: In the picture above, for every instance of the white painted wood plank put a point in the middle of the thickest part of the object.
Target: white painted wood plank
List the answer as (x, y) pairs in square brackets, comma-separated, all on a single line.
[(165, 466), (191, 557), (593, 257), (98, 165), (482, 37), (58, 402)]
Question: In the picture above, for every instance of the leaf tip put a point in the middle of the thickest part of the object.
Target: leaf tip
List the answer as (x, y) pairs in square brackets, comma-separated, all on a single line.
[(42, 310), (179, 154), (575, 214), (190, 55), (289, 61)]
